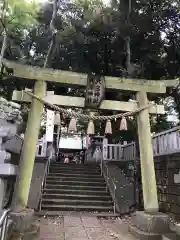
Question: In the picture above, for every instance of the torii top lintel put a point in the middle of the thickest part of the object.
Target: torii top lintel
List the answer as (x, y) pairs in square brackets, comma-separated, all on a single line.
[(73, 78)]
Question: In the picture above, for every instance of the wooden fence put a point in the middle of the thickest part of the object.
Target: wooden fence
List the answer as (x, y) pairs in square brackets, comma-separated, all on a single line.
[(167, 142), (112, 152), (129, 151), (164, 143)]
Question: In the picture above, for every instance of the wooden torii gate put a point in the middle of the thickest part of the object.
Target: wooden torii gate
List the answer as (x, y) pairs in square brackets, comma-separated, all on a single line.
[(140, 87)]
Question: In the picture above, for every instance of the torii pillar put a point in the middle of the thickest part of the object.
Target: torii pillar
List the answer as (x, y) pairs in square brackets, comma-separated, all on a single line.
[(146, 157), (150, 221), (28, 152)]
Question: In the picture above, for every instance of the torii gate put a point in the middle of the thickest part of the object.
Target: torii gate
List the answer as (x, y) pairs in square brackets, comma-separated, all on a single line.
[(140, 87)]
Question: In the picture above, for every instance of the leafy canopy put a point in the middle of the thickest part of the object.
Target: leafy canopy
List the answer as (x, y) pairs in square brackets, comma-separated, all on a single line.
[(19, 14)]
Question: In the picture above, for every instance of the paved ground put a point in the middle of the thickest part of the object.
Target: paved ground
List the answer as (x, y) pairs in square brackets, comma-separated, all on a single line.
[(83, 228)]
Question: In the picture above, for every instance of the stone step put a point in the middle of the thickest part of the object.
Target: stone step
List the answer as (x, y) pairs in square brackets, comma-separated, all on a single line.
[(97, 178), (76, 202), (58, 175), (75, 185), (74, 166), (75, 213), (76, 196), (77, 171), (170, 236), (136, 232), (69, 179), (81, 191), (89, 208), (72, 174)]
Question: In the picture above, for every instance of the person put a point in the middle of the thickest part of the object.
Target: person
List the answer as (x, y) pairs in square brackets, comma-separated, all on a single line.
[(75, 159), (82, 157), (97, 154), (66, 160)]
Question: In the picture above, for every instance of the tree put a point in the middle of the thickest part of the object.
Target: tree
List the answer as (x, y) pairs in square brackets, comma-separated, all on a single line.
[(16, 18), (91, 37)]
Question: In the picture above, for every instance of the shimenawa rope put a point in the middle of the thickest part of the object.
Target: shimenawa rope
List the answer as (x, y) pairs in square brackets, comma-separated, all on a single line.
[(84, 116)]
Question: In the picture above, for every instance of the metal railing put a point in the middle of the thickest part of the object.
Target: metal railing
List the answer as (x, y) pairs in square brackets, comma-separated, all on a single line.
[(108, 178), (46, 171), (4, 223)]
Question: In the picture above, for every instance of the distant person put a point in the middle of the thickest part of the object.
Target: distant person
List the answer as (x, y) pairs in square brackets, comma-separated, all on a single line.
[(66, 160), (82, 157), (75, 159)]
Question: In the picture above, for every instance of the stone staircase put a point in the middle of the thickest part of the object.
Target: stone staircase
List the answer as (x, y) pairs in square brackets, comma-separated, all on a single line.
[(72, 187)]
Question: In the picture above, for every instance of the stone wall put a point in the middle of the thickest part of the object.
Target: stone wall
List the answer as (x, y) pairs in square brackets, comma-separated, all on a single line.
[(129, 189), (168, 184), (167, 169)]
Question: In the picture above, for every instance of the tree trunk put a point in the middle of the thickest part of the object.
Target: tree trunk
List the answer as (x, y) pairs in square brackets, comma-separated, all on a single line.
[(128, 42), (3, 49), (4, 32), (128, 54)]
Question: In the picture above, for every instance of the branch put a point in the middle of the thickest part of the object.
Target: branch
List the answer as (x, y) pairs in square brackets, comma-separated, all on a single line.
[(3, 25), (55, 8)]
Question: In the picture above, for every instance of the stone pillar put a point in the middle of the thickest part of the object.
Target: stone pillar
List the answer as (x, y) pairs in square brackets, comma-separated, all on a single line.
[(146, 157), (148, 224), (28, 151)]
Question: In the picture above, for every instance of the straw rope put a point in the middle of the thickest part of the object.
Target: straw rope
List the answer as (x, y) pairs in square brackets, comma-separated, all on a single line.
[(84, 116)]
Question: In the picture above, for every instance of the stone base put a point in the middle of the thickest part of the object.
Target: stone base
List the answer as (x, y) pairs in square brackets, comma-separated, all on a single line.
[(170, 236), (23, 219), (24, 226), (31, 234), (143, 235), (176, 228), (157, 223), (147, 226)]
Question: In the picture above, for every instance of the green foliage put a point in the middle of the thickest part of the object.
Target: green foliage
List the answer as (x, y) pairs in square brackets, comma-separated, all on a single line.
[(20, 14), (91, 38)]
